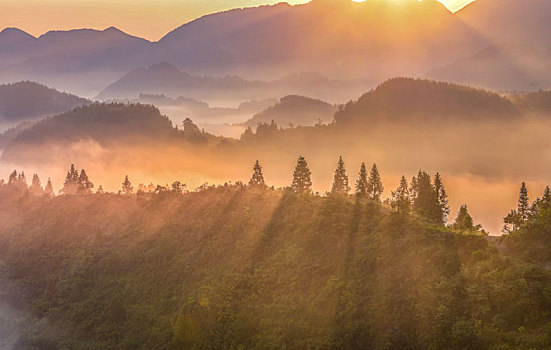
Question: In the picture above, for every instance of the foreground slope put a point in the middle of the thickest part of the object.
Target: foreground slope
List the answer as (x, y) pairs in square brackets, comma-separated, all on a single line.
[(243, 267)]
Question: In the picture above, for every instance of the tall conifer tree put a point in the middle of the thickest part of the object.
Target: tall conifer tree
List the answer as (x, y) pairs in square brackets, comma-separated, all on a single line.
[(374, 184), (302, 181), (361, 183), (84, 183), (546, 198), (442, 197), (127, 187), (401, 197), (36, 186), (516, 218), (523, 204), (257, 179), (426, 201), (463, 220), (13, 177), (72, 183), (340, 180), (49, 189)]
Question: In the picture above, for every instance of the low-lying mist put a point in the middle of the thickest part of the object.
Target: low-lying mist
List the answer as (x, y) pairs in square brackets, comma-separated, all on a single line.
[(482, 162)]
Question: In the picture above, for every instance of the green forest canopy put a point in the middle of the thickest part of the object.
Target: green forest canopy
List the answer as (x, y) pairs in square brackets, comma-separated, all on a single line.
[(248, 266)]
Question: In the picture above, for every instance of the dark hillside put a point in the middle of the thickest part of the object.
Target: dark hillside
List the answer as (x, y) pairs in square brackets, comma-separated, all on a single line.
[(295, 110), (401, 99), (27, 101)]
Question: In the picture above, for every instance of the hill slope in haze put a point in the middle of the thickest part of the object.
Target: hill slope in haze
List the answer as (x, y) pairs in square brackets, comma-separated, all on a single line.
[(334, 37), (500, 67), (511, 21), (295, 110), (26, 101), (166, 79), (405, 98)]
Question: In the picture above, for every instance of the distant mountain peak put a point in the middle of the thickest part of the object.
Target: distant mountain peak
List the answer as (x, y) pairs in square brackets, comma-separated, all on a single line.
[(13, 30), (164, 66), (13, 34), (113, 29)]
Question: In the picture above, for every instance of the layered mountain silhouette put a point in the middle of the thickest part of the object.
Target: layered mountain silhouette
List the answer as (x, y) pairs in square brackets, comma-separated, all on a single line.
[(166, 79), (373, 40), (25, 101), (341, 39), (396, 100), (82, 60)]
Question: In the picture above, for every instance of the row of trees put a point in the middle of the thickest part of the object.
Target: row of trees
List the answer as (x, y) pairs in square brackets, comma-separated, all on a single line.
[(422, 196), (17, 182)]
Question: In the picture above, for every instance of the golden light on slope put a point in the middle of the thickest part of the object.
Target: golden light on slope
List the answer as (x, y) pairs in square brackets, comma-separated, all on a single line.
[(150, 19)]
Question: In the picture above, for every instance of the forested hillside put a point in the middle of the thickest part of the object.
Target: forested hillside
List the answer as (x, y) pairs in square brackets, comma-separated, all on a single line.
[(406, 98), (26, 100), (295, 110), (247, 266), (113, 125)]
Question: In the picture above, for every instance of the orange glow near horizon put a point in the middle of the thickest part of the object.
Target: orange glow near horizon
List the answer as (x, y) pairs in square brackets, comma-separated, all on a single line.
[(150, 19)]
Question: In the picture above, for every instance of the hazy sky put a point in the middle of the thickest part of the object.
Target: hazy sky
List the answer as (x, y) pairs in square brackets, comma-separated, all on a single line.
[(150, 19)]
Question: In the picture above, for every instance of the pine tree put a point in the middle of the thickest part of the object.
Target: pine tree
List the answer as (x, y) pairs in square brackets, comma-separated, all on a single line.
[(361, 183), (340, 180), (72, 175), (22, 179), (36, 186), (442, 198), (426, 201), (85, 186), (512, 222), (72, 183), (517, 218), (523, 204), (401, 197), (257, 179), (535, 208), (49, 189), (374, 184), (413, 190), (546, 199), (178, 187), (463, 220), (18, 181), (13, 178), (127, 186), (302, 182)]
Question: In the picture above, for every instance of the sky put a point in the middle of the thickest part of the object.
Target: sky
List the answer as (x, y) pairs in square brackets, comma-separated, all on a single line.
[(150, 19)]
